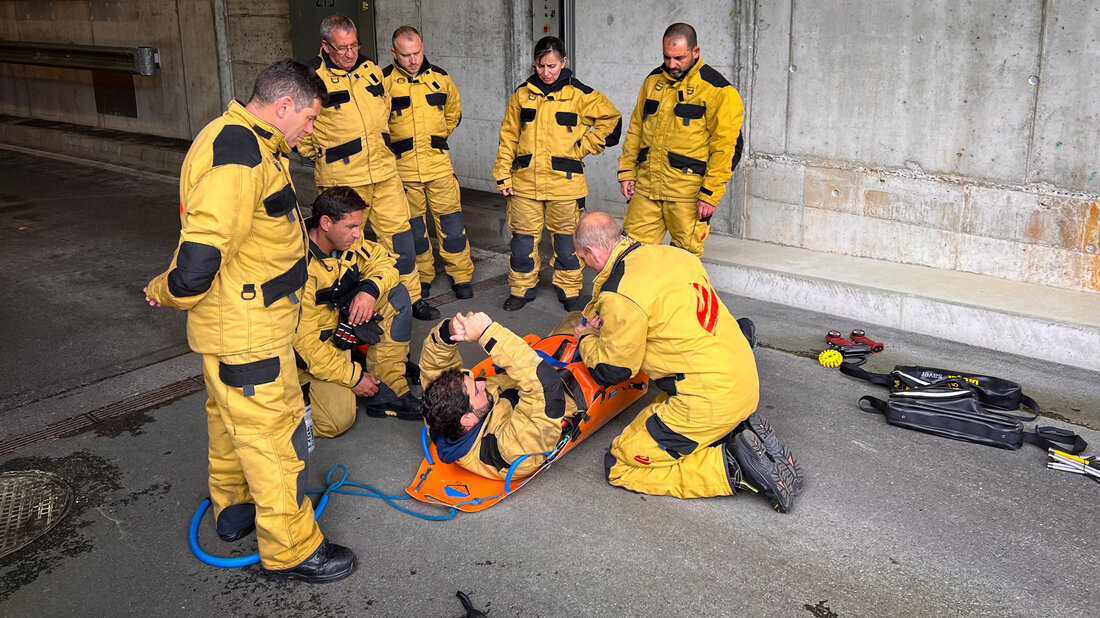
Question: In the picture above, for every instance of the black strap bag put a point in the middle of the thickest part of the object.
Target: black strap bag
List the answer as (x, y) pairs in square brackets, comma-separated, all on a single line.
[(958, 414), (991, 392)]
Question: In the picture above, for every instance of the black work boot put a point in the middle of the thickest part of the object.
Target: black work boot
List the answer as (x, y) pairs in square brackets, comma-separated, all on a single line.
[(514, 303), (463, 290), (406, 407), (576, 303), (425, 290), (759, 472), (422, 310), (331, 562), (777, 451)]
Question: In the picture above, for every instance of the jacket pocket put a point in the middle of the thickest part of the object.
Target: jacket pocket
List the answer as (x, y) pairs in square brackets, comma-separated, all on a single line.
[(689, 112), (281, 203), (436, 99), (338, 98), (401, 146), (649, 107), (440, 142), (286, 284), (526, 114), (569, 166), (687, 164), (521, 161), (400, 104), (343, 151), (566, 119), (643, 154)]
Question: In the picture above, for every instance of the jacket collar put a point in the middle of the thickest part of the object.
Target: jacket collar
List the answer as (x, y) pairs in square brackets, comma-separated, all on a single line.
[(270, 137), (331, 66), (626, 245), (536, 84), (689, 76), (424, 68)]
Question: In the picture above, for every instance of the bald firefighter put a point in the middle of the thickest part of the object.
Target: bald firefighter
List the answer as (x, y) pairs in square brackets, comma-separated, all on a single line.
[(352, 297), (654, 310), (551, 123), (239, 271), (350, 147), (682, 145), (485, 425), (424, 110)]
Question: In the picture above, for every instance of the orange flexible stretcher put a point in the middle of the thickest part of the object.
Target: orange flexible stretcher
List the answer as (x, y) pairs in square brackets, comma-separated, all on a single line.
[(453, 486)]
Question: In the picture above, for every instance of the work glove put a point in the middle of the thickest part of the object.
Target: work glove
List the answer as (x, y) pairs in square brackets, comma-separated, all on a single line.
[(344, 336)]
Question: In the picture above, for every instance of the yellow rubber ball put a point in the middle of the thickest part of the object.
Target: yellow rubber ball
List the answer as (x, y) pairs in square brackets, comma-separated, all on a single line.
[(830, 359)]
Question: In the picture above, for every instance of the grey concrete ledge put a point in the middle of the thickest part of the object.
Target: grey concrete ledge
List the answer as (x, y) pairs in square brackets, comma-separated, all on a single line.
[(1051, 324)]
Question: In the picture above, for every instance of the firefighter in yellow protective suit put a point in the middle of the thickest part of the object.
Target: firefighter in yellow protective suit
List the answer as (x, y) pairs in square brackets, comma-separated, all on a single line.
[(352, 296), (238, 271), (424, 110), (654, 310), (681, 147), (486, 425), (551, 123), (350, 147)]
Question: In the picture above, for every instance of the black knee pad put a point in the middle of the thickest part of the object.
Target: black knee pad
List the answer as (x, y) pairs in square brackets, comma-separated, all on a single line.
[(522, 247), (399, 299), (420, 235), (566, 255), (454, 232), (405, 249), (608, 463)]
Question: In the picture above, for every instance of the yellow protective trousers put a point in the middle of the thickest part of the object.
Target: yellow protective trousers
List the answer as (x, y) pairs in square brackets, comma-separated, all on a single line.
[(440, 198), (332, 405), (647, 221), (388, 216), (668, 449), (527, 217), (257, 449)]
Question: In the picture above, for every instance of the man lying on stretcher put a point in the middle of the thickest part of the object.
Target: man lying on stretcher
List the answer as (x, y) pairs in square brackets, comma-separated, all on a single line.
[(486, 424)]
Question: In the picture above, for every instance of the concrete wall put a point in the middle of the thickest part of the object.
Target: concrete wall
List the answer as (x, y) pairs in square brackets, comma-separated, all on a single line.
[(955, 135), (950, 135), (175, 102)]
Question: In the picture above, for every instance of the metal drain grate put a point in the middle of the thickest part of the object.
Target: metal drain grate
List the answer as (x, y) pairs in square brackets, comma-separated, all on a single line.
[(31, 504), (79, 422)]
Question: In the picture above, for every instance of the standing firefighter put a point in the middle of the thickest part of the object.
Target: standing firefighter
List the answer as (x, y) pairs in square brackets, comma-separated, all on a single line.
[(351, 147), (239, 271), (551, 123), (681, 147), (424, 110)]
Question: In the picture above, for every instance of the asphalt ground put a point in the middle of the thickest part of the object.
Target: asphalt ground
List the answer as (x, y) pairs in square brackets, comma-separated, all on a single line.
[(892, 522)]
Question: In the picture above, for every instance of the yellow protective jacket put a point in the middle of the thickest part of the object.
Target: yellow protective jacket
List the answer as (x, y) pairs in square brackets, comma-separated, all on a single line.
[(350, 144), (546, 132), (424, 109), (529, 401), (661, 315), (684, 137), (366, 266), (241, 261)]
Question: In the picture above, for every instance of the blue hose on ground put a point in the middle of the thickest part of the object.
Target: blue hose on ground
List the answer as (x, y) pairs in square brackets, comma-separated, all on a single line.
[(331, 488)]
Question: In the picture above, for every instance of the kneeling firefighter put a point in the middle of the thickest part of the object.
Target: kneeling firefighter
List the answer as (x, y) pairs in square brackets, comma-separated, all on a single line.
[(352, 295)]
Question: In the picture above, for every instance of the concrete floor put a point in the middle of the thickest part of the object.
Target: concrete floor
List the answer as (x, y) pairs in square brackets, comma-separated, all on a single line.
[(892, 522)]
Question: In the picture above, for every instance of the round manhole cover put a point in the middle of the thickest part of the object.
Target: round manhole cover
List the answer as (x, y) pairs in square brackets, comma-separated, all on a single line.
[(31, 504)]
